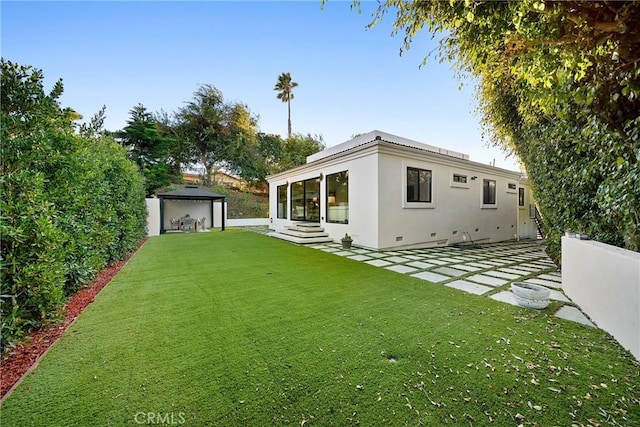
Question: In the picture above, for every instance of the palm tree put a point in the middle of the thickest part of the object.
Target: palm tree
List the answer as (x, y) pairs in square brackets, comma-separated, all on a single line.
[(285, 94)]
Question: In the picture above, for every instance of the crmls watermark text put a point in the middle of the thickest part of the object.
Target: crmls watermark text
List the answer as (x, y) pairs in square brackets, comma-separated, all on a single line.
[(160, 418)]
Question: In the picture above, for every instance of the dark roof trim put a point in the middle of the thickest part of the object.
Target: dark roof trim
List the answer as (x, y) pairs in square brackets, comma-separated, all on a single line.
[(191, 192)]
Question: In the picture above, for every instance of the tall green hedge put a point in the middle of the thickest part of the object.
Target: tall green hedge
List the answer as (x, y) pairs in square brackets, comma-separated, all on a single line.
[(70, 204)]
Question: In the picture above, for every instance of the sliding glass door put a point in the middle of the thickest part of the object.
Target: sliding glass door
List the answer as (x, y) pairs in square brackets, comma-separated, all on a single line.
[(305, 200)]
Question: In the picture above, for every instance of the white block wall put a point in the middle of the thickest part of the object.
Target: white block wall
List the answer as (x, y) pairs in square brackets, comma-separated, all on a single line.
[(153, 217), (604, 281)]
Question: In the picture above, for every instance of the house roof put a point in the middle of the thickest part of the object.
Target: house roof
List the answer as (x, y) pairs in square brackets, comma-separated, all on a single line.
[(377, 135), (382, 139), (191, 192)]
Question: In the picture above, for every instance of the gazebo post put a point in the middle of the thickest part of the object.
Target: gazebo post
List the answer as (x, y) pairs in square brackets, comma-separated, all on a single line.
[(223, 215), (211, 212), (162, 230)]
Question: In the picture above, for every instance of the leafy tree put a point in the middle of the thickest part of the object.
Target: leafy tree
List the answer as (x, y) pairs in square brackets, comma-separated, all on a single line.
[(297, 148), (242, 155), (217, 134), (270, 148), (559, 86), (201, 124), (148, 148), (285, 86)]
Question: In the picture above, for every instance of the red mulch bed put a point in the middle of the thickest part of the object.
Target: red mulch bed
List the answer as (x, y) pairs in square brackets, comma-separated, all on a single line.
[(19, 361)]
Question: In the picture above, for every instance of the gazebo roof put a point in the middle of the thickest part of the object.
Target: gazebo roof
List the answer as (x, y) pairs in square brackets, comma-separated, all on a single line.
[(191, 192)]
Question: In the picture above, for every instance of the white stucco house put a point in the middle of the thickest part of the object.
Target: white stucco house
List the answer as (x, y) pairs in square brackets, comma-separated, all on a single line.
[(388, 192)]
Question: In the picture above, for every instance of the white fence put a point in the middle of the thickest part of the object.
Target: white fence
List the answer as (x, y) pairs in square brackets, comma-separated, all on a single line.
[(605, 282), (245, 222)]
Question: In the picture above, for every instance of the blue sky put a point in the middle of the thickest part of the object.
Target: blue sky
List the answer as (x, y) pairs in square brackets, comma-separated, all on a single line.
[(351, 79)]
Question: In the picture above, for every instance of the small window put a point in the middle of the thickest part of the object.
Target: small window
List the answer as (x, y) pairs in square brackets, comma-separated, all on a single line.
[(459, 179), (462, 179), (418, 185), (521, 197), (511, 186), (488, 192), (282, 201)]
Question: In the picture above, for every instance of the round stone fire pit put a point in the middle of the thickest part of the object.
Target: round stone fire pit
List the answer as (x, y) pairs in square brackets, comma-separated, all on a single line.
[(530, 296)]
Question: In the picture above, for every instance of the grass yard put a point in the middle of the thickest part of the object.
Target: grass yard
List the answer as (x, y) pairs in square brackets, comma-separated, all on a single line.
[(237, 328)]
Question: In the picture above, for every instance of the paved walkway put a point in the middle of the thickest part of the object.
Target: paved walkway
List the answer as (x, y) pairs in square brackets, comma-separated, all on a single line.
[(488, 271)]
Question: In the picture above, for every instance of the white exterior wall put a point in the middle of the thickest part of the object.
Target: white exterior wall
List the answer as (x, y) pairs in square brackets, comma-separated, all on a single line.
[(380, 217), (195, 208), (289, 178), (605, 282), (363, 202), (153, 216), (362, 197), (455, 207)]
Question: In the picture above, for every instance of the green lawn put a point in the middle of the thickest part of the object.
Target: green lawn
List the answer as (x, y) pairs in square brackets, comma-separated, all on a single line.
[(237, 328)]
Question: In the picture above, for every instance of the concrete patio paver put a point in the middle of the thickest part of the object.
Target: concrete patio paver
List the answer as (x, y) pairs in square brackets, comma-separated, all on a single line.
[(472, 288), (450, 271), (504, 296), (397, 259), (572, 313), (378, 263), (402, 269), (421, 264), (431, 277), (478, 271), (466, 267), (360, 257), (558, 296), (487, 280), (502, 275), (515, 271), (553, 277), (546, 283)]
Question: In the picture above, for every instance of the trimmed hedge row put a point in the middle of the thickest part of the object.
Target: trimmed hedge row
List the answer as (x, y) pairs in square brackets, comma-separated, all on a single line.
[(70, 204)]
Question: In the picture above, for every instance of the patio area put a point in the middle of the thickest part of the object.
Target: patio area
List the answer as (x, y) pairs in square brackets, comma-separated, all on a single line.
[(487, 271)]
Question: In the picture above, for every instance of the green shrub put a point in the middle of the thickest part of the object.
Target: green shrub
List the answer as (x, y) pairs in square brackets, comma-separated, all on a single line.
[(71, 203), (33, 271)]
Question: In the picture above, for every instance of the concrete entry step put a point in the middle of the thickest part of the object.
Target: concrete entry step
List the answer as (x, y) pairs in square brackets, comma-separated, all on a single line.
[(301, 240), (307, 224), (305, 229), (304, 234)]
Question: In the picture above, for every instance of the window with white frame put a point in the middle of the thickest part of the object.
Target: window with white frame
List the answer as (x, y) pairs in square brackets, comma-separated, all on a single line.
[(282, 201), (488, 192), (461, 179), (521, 197), (338, 197), (418, 185)]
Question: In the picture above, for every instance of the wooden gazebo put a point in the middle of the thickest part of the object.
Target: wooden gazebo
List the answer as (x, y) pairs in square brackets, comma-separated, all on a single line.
[(191, 192)]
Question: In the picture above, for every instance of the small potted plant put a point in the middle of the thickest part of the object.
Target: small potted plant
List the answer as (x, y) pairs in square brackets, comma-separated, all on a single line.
[(346, 241)]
